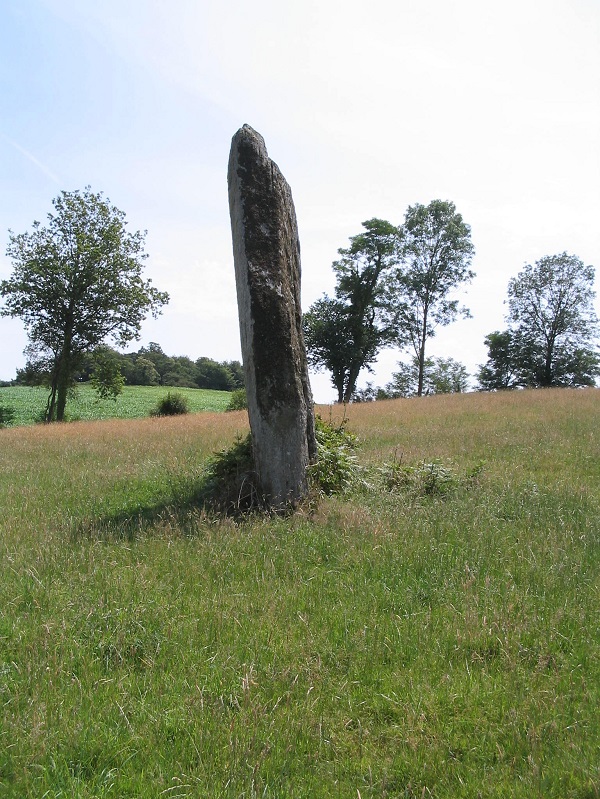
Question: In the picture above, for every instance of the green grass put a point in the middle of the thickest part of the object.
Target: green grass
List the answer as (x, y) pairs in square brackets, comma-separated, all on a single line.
[(84, 404), (396, 642)]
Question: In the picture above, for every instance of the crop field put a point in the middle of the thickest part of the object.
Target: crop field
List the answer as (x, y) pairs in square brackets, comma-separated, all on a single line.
[(433, 632), (84, 404)]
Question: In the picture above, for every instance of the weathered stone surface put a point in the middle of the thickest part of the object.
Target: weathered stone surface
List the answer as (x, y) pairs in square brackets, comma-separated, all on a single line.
[(266, 252)]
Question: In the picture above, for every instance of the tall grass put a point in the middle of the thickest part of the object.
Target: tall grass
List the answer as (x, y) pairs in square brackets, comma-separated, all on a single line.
[(389, 643)]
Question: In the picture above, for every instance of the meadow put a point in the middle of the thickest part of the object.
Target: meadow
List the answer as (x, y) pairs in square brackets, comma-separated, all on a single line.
[(29, 402), (432, 633)]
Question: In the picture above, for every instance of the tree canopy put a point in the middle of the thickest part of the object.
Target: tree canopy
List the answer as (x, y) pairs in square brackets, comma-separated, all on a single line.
[(440, 376), (435, 256), (394, 286), (345, 333), (76, 283), (552, 324)]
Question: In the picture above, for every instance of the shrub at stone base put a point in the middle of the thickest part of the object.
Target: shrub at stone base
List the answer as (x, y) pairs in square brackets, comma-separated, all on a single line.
[(230, 484)]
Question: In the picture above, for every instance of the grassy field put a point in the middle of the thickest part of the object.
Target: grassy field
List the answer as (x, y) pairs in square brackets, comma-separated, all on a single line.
[(135, 402), (435, 633)]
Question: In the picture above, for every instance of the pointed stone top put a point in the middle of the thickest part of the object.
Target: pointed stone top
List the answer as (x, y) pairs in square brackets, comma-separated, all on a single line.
[(250, 136)]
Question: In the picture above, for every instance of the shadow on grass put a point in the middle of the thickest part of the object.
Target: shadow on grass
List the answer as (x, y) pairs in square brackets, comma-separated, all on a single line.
[(183, 516), (226, 488)]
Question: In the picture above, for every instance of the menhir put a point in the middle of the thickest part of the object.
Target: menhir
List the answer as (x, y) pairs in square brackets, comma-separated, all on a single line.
[(266, 253)]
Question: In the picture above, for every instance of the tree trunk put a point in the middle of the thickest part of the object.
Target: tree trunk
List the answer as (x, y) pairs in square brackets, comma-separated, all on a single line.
[(548, 370), (549, 356), (422, 354), (351, 386), (421, 370), (62, 387), (51, 404), (64, 376)]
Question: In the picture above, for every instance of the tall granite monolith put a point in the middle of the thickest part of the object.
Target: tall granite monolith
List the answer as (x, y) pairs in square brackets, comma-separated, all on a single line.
[(266, 251)]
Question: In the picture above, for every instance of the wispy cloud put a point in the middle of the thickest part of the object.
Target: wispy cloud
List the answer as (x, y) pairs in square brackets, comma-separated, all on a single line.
[(30, 157)]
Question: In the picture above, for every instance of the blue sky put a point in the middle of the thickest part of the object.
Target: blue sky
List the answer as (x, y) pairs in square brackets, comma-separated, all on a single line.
[(367, 108)]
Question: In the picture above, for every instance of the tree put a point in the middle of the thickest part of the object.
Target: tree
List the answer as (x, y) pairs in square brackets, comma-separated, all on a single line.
[(140, 371), (34, 373), (162, 363), (440, 376), (107, 378), (75, 283), (237, 374), (213, 375), (151, 367), (436, 252), (329, 342), (552, 326), (345, 333), (504, 367), (369, 393), (552, 314)]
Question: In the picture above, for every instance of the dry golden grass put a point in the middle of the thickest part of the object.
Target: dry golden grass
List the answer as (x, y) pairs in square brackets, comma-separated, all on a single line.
[(529, 428)]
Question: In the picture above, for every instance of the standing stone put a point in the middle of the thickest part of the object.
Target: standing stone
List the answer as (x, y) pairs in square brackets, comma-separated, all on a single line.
[(266, 252)]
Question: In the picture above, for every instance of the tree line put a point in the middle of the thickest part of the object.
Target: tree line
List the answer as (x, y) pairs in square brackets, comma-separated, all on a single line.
[(77, 284), (395, 287), (149, 366)]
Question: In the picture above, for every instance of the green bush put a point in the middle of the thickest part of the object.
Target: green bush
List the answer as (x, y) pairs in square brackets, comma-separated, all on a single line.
[(229, 484), (336, 467), (238, 401), (173, 404), (7, 415)]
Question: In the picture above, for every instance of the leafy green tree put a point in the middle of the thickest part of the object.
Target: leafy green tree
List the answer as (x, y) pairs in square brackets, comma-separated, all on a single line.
[(552, 328), (369, 393), (436, 252), (213, 375), (552, 315), (183, 372), (579, 366), (107, 378), (150, 366), (237, 374), (162, 363), (506, 366), (440, 376), (446, 376), (343, 335), (36, 371), (329, 345), (75, 283), (140, 371)]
